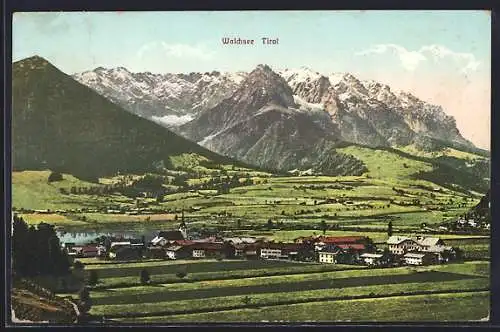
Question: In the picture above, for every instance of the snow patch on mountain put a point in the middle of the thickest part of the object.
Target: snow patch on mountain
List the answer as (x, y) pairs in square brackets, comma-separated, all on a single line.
[(293, 76), (155, 96), (304, 105), (370, 108), (172, 120), (207, 139)]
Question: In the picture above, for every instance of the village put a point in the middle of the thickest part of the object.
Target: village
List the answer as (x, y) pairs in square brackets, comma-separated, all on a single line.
[(356, 250)]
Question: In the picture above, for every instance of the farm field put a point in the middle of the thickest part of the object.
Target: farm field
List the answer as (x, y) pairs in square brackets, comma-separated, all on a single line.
[(358, 202), (456, 307), (230, 289), (279, 208)]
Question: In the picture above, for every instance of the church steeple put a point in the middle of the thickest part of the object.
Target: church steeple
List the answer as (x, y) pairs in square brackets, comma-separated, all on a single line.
[(183, 226)]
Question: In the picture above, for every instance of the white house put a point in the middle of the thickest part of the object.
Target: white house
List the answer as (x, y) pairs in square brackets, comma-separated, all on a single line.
[(198, 253), (399, 245), (327, 257), (442, 253), (372, 259), (159, 241), (472, 223), (121, 243), (427, 242), (270, 253), (329, 254), (419, 258), (173, 252)]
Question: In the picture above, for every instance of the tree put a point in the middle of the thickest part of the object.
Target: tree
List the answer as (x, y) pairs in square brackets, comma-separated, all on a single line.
[(246, 300), (389, 228), (181, 274), (77, 265), (93, 278), (84, 301), (55, 176), (323, 226), (37, 250), (269, 224), (145, 277)]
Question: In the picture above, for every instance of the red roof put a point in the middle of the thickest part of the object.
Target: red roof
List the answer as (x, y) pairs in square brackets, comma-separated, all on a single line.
[(341, 239), (183, 242), (355, 246), (89, 248), (206, 246)]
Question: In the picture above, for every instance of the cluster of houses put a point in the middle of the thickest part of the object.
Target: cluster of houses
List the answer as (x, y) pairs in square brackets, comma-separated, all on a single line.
[(175, 245), (420, 250)]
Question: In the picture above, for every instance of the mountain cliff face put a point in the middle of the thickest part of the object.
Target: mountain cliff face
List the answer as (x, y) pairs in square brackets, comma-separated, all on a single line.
[(363, 112), (370, 113), (262, 124), (168, 99), (58, 123), (279, 118)]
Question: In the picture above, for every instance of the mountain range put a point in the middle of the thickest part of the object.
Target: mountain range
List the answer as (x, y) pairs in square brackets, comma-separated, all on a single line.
[(286, 118), (168, 99), (60, 124), (290, 120)]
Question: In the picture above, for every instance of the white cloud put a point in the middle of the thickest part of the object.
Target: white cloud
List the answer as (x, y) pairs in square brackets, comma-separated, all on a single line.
[(410, 60), (175, 50)]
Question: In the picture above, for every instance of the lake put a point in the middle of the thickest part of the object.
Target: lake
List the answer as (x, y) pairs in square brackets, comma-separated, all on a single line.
[(82, 237)]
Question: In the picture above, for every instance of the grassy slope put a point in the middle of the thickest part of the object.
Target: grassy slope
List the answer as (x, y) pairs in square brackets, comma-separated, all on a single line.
[(281, 198), (311, 286), (160, 300), (440, 307), (60, 123), (387, 165), (212, 304)]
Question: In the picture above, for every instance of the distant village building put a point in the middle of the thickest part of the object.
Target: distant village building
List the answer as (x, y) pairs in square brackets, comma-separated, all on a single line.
[(251, 251), (329, 254), (89, 250), (240, 240), (399, 245), (419, 258), (427, 242), (120, 244), (239, 249), (270, 251), (165, 237), (291, 250), (431, 246), (177, 252), (125, 253), (371, 259), (206, 249)]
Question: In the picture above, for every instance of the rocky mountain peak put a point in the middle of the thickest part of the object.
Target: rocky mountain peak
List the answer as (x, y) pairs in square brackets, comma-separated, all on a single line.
[(263, 67), (366, 111), (261, 86)]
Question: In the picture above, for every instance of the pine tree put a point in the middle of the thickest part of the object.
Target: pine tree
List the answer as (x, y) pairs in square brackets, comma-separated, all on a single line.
[(93, 278), (323, 226), (145, 277)]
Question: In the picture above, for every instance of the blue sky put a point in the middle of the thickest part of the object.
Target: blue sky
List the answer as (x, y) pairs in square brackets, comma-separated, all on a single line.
[(434, 54)]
